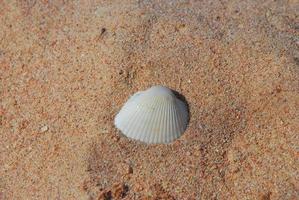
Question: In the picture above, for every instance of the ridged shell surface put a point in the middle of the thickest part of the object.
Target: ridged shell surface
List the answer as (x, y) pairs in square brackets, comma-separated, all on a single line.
[(155, 115)]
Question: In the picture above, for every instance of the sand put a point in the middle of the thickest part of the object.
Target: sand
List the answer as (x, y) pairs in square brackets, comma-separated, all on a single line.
[(67, 67)]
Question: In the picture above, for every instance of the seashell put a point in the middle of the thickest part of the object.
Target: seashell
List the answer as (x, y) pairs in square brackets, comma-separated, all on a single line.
[(155, 115)]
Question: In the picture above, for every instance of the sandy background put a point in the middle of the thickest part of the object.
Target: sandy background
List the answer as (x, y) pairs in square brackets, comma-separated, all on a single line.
[(66, 68)]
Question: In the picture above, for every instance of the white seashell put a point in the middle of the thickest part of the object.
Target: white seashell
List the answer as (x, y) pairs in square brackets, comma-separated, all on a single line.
[(155, 115)]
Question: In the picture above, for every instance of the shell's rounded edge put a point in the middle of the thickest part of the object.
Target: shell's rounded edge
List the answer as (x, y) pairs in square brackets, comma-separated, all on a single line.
[(159, 90), (153, 116), (184, 113)]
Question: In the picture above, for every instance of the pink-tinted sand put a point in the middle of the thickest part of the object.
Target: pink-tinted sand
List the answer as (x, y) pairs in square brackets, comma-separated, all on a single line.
[(66, 68)]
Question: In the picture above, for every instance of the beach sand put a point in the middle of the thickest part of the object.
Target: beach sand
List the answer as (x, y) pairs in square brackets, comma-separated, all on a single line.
[(67, 67)]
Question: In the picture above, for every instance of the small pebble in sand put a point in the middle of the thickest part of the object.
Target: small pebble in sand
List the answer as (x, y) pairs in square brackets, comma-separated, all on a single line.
[(115, 138), (125, 169), (130, 169), (44, 128), (117, 191)]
